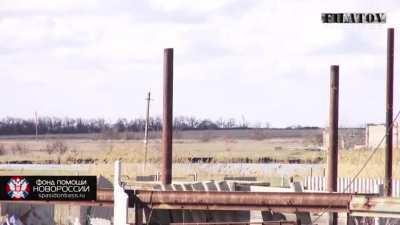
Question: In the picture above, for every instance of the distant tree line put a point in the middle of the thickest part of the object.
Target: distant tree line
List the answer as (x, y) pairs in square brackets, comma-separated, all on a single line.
[(54, 125)]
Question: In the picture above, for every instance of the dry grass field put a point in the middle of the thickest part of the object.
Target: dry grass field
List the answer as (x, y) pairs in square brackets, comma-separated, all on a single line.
[(104, 151), (100, 155), (229, 157)]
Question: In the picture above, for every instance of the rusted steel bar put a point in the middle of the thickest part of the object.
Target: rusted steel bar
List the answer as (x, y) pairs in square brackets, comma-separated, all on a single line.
[(282, 202), (166, 174), (332, 159), (389, 114), (283, 209)]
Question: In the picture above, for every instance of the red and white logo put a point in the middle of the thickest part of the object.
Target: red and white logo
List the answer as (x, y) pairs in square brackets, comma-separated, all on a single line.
[(18, 188)]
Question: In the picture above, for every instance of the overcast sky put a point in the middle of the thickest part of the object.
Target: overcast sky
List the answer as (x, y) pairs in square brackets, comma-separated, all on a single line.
[(262, 60)]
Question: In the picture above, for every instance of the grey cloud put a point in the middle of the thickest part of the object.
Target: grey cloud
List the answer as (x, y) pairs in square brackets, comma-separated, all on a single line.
[(140, 11)]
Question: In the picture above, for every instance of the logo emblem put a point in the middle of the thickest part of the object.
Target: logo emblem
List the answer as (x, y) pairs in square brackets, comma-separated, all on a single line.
[(18, 188)]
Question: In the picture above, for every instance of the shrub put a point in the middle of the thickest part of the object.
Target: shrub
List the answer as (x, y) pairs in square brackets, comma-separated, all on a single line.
[(19, 148), (2, 149), (56, 147)]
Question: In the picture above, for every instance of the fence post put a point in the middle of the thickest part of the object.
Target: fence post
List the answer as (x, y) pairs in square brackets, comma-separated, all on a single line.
[(120, 198), (302, 217)]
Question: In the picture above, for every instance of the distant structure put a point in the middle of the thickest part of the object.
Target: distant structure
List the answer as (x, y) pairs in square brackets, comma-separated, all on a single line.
[(365, 138), (375, 132), (349, 138)]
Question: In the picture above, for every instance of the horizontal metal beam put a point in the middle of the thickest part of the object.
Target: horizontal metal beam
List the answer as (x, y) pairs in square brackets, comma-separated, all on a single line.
[(244, 201), (355, 204)]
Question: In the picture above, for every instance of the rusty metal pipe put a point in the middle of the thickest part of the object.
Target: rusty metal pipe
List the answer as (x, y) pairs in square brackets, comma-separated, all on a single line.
[(288, 202), (283, 209), (166, 174), (332, 159), (389, 114)]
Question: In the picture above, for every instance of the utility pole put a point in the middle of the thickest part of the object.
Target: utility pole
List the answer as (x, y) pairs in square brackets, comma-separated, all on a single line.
[(389, 114), (146, 131), (36, 125)]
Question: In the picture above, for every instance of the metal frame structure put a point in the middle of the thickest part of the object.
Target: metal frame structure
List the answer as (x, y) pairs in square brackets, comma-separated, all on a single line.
[(355, 204)]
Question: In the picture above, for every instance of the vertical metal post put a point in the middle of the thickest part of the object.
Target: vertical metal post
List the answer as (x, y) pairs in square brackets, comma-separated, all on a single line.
[(146, 131), (389, 114), (138, 214), (332, 158), (166, 173)]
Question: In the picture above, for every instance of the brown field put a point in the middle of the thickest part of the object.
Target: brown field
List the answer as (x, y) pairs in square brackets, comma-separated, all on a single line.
[(105, 151), (227, 155)]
